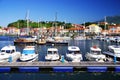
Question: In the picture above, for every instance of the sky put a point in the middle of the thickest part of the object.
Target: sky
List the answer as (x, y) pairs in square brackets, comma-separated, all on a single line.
[(73, 11)]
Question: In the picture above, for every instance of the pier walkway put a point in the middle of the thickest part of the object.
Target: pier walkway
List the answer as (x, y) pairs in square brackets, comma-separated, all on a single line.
[(57, 64)]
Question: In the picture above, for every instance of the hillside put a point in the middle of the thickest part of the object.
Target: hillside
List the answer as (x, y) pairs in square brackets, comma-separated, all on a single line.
[(111, 19)]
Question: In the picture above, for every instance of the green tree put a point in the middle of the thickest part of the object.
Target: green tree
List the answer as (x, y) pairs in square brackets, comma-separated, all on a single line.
[(23, 24)]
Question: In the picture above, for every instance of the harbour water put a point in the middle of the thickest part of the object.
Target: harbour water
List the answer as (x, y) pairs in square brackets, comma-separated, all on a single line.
[(84, 45)]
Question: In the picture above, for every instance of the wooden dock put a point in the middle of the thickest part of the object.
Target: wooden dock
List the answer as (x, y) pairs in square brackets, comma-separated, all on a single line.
[(57, 64)]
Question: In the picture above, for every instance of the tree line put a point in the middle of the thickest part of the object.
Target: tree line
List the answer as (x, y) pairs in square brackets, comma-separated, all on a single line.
[(47, 24)]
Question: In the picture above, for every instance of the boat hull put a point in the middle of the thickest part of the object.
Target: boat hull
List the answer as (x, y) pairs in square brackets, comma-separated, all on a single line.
[(108, 54), (29, 59), (10, 57), (93, 57)]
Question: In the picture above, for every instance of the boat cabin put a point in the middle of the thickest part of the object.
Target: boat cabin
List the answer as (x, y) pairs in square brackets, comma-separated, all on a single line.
[(95, 50), (114, 49), (73, 50), (52, 51), (28, 50), (8, 49)]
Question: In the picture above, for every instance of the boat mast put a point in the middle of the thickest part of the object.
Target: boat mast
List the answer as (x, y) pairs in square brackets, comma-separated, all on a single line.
[(105, 25), (55, 23), (18, 29), (27, 18), (39, 30), (84, 30)]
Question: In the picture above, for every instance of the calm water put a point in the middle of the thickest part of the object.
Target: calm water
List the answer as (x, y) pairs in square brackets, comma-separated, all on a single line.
[(41, 49)]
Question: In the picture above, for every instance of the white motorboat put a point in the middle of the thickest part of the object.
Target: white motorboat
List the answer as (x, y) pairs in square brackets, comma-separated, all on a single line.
[(29, 54), (56, 41), (74, 54), (80, 38), (95, 55), (113, 51), (52, 54), (9, 54)]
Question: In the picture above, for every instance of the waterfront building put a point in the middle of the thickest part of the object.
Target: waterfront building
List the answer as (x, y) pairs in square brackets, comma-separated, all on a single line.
[(77, 28), (93, 28), (114, 29)]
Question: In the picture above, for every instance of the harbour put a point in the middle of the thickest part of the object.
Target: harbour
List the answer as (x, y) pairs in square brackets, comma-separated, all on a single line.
[(59, 40), (55, 70)]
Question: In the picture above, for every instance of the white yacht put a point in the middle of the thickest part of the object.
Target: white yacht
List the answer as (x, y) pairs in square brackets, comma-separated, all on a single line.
[(9, 54), (52, 54), (74, 54), (29, 54), (95, 55), (113, 51)]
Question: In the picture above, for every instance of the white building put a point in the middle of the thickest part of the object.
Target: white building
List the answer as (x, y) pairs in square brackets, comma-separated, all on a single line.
[(93, 28)]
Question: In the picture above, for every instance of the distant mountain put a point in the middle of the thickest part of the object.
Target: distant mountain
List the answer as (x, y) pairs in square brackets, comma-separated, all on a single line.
[(111, 19)]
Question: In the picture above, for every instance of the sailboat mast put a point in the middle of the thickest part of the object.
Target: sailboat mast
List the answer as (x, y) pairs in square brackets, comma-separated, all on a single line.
[(39, 26), (27, 17), (55, 23), (84, 30), (18, 29), (105, 25), (105, 22)]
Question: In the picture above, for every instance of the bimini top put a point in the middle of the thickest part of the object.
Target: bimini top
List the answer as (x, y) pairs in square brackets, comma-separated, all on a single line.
[(95, 48), (73, 48), (29, 50)]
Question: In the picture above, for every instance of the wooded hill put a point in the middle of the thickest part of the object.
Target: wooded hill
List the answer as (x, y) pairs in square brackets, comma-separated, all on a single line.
[(47, 24)]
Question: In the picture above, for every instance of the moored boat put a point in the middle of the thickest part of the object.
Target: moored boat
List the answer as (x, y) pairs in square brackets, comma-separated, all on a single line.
[(52, 54), (113, 52), (95, 54), (74, 54), (41, 41), (9, 54), (29, 54), (56, 41), (22, 40)]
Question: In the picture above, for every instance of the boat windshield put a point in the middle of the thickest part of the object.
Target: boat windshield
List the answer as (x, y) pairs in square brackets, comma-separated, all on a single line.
[(2, 50), (74, 52), (96, 52), (52, 52), (28, 52), (117, 51), (6, 51)]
